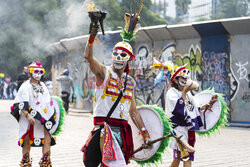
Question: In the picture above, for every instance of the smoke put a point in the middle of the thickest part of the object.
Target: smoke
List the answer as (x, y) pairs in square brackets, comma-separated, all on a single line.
[(27, 27), (34, 24)]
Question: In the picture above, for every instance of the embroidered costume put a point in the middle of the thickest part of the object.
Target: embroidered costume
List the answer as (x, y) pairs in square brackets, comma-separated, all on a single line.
[(103, 101), (113, 103), (117, 125), (33, 102)]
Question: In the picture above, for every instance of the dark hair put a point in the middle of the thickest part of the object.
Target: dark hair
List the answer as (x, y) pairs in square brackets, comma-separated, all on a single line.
[(174, 84)]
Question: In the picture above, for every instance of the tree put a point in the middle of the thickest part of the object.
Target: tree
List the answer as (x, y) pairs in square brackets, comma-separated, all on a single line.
[(201, 19), (160, 7), (28, 26), (23, 25), (182, 6), (116, 12), (232, 8)]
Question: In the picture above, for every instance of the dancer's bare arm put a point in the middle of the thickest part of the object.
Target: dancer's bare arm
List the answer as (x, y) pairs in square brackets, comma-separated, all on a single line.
[(98, 69), (136, 117), (29, 117)]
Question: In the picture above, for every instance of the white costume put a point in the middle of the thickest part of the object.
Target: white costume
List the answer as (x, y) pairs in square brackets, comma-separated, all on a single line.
[(106, 95), (39, 100), (184, 115)]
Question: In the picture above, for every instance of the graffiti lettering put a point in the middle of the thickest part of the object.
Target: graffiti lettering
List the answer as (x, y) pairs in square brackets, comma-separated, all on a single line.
[(246, 97), (242, 70), (215, 72), (248, 80), (234, 86), (192, 61)]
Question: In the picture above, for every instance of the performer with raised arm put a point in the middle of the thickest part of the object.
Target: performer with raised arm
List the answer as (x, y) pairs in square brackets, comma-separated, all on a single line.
[(38, 116), (110, 142)]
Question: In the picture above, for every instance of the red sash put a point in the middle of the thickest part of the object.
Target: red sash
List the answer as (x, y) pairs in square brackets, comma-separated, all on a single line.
[(126, 134)]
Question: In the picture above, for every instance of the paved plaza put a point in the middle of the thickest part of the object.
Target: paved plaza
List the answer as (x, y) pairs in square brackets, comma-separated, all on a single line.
[(230, 148)]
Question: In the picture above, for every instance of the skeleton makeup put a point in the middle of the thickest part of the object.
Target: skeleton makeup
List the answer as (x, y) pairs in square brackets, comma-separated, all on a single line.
[(180, 72), (122, 53), (37, 74), (120, 59), (36, 70), (182, 83)]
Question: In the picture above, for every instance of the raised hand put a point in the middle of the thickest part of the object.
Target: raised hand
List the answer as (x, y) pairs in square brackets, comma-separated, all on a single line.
[(93, 33)]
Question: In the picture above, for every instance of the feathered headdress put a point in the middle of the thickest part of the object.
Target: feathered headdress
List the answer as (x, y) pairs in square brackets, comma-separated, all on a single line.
[(165, 70), (128, 33), (131, 25)]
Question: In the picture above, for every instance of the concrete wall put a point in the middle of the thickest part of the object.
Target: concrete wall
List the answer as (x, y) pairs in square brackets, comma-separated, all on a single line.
[(240, 78), (217, 53)]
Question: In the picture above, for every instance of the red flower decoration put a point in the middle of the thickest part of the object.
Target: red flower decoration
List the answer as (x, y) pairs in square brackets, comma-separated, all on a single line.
[(12, 108), (38, 63)]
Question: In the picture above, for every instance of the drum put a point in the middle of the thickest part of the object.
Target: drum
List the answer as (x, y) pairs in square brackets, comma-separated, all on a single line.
[(59, 115), (215, 118), (158, 126)]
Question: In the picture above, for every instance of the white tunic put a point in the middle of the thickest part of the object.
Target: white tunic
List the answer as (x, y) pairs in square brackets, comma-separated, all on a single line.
[(39, 102), (107, 93)]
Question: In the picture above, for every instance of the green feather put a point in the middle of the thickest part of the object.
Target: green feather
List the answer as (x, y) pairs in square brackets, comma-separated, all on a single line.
[(167, 127), (223, 120), (62, 114), (127, 36)]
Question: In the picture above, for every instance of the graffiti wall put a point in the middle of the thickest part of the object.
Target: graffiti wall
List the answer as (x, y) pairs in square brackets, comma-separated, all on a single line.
[(215, 58), (240, 78), (147, 90), (188, 53), (216, 64)]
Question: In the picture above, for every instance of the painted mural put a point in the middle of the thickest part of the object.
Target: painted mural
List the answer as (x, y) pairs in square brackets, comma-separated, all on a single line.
[(216, 65), (214, 61), (193, 61)]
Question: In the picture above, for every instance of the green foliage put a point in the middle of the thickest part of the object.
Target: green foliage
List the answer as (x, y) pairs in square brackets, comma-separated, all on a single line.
[(23, 24), (232, 8), (116, 11), (201, 19), (182, 5), (114, 18), (28, 26)]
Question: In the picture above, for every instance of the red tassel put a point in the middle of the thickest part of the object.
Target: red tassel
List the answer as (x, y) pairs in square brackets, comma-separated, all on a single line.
[(127, 69)]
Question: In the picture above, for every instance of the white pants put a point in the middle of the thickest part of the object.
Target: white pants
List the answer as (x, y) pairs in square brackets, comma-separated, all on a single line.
[(179, 130)]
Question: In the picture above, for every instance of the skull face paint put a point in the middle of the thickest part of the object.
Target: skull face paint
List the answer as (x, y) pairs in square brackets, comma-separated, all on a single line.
[(36, 70), (120, 59), (37, 73)]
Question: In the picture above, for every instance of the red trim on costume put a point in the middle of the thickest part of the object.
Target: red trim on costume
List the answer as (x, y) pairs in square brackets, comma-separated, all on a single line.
[(191, 140), (127, 69), (182, 68), (125, 132), (109, 153), (126, 50), (29, 132), (35, 67)]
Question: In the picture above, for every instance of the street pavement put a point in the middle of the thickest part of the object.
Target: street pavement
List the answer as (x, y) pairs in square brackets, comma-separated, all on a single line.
[(229, 148)]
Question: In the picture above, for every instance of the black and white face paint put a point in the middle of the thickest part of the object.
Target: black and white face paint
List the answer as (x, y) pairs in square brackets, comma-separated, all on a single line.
[(120, 59), (37, 74), (182, 81)]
